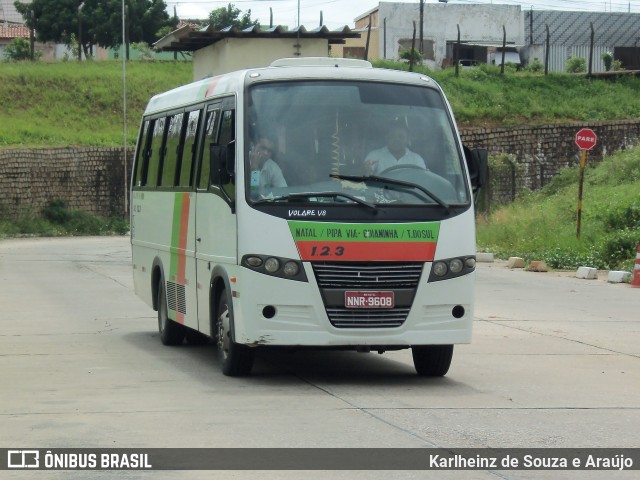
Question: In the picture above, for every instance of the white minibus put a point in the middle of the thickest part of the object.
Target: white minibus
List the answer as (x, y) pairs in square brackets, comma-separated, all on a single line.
[(314, 203)]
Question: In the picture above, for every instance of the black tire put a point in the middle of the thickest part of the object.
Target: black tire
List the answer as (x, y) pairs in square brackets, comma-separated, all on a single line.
[(236, 360), (432, 360), (194, 337), (171, 333)]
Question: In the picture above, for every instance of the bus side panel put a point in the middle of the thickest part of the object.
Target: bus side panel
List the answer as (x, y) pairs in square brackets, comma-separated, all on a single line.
[(162, 233), (216, 232)]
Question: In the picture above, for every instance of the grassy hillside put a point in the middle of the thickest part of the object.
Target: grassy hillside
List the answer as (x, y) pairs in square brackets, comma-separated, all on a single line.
[(542, 225), (70, 103)]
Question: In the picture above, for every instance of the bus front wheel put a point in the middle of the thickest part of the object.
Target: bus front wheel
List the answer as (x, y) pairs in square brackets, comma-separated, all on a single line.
[(236, 360), (171, 333), (432, 360)]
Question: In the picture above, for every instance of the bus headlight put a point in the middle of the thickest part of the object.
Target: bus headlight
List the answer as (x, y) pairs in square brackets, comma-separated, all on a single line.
[(455, 265), (291, 269), (287, 268), (440, 269), (272, 265), (448, 268), (253, 261)]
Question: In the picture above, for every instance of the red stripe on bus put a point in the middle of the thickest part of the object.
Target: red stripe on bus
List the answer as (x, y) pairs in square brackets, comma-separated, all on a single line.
[(366, 251), (212, 86)]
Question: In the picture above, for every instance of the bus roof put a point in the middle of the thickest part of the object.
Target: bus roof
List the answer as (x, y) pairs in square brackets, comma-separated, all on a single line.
[(304, 68)]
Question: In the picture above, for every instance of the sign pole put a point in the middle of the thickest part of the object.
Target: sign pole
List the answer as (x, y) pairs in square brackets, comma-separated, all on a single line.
[(583, 162), (586, 139)]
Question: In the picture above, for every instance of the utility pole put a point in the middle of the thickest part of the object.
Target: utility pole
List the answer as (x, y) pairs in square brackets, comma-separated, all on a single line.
[(175, 19), (421, 27), (80, 31), (531, 26)]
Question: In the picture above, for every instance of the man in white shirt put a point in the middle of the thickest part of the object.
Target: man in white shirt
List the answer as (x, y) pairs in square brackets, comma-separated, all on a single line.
[(265, 173), (395, 153)]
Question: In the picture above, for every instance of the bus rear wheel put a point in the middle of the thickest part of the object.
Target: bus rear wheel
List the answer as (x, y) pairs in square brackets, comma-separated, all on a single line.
[(171, 333), (432, 360), (236, 360)]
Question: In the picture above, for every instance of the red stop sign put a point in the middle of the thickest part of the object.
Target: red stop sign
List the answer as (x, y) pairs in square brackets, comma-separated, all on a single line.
[(586, 139)]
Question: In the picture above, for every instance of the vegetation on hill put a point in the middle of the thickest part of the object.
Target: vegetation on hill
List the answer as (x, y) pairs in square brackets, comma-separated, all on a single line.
[(483, 96), (71, 103), (542, 225)]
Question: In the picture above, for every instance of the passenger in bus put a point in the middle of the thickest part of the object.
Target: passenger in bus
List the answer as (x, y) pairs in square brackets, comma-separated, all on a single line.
[(396, 152), (265, 172)]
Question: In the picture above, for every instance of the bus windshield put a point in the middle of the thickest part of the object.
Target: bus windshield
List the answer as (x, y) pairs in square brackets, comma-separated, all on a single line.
[(352, 142)]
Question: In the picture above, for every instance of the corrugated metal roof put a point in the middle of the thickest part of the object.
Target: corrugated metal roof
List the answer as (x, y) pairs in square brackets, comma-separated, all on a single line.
[(574, 28), (189, 39), (8, 12)]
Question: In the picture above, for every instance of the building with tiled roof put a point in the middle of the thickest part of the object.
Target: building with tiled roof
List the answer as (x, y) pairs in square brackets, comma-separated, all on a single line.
[(13, 30)]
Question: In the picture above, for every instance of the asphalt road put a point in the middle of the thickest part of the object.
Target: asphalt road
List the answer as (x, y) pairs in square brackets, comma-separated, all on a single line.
[(553, 363)]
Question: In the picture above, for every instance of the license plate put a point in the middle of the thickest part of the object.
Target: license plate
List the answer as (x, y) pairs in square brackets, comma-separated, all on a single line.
[(355, 299)]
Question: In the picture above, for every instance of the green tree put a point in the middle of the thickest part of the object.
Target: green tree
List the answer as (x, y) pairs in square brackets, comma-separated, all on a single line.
[(230, 17), (94, 21)]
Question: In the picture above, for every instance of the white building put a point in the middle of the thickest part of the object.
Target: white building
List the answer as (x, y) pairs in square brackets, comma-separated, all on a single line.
[(481, 31)]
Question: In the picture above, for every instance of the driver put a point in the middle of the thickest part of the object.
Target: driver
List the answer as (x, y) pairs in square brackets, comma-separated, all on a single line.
[(395, 153)]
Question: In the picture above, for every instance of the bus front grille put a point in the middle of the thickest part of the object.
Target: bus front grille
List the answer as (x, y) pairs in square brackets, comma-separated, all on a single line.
[(334, 279), (368, 275), (367, 318)]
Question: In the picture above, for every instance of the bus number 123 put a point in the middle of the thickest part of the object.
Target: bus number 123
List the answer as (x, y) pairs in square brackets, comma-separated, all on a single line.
[(325, 251)]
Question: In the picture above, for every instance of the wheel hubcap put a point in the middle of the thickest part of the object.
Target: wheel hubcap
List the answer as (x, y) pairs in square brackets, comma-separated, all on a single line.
[(223, 332)]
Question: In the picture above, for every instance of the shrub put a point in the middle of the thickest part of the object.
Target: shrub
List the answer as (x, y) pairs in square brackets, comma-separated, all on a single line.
[(77, 222), (411, 55), (624, 219), (576, 65), (619, 247), (19, 50), (535, 67), (607, 59)]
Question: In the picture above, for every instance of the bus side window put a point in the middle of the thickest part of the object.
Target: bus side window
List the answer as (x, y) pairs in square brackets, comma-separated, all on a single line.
[(142, 156), (155, 152), (228, 135), (212, 125), (172, 152), (189, 148), (227, 129)]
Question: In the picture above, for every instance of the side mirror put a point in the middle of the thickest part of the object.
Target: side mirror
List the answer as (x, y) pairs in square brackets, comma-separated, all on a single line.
[(478, 165)]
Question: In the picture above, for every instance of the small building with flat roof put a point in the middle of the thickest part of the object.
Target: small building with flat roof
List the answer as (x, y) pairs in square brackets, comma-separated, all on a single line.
[(218, 52)]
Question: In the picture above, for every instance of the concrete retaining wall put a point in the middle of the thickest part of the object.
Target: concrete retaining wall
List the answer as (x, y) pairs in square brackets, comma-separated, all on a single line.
[(92, 178), (86, 178)]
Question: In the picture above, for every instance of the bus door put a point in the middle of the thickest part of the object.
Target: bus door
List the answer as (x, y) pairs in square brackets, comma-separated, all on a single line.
[(216, 230)]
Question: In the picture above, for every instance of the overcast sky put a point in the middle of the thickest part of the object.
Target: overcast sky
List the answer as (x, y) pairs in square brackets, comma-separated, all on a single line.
[(337, 13)]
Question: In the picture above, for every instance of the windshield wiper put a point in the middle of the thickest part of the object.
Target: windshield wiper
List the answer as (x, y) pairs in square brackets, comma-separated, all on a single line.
[(391, 181), (306, 195)]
